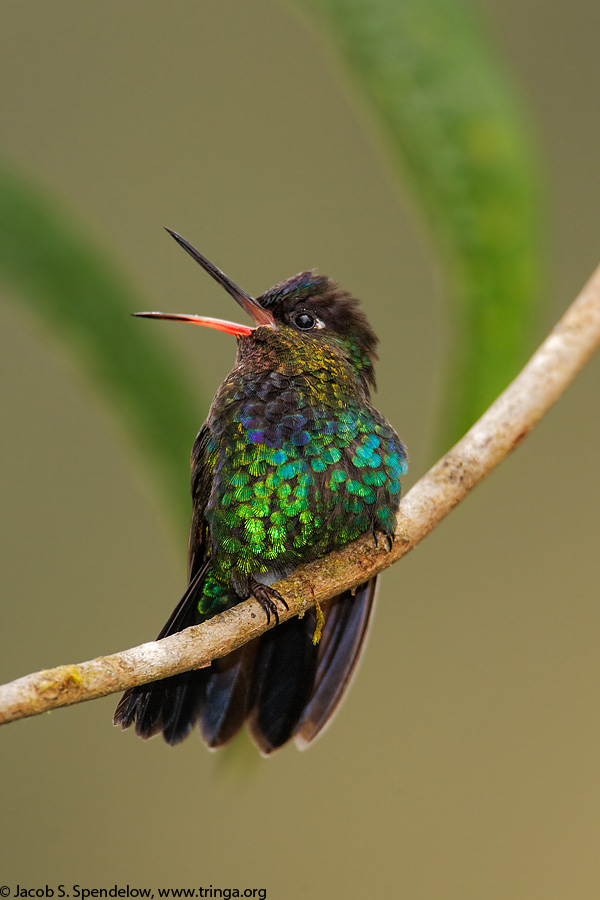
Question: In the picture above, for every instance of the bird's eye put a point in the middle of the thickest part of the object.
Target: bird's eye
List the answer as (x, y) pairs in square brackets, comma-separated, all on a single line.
[(304, 321)]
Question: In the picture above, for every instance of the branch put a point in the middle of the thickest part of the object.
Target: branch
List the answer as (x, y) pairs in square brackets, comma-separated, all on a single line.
[(502, 428)]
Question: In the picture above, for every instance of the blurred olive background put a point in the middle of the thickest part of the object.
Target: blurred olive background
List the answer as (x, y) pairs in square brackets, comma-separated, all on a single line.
[(465, 762)]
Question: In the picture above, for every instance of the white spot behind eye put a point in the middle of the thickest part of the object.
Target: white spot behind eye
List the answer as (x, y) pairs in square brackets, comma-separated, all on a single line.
[(314, 320)]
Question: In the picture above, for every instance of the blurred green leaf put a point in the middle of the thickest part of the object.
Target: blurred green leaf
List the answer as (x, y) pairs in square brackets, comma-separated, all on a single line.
[(60, 275), (454, 126)]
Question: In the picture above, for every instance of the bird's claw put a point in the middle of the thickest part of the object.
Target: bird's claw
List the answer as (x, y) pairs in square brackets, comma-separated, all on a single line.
[(267, 596), (389, 537)]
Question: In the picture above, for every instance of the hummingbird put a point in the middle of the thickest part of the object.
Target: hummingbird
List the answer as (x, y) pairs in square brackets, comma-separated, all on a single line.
[(292, 462)]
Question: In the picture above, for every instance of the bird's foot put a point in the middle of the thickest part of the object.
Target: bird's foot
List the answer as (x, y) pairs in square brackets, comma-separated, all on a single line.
[(267, 596), (389, 536)]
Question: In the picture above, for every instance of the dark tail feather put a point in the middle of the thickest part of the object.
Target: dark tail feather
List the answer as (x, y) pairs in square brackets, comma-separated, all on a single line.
[(227, 690), (343, 638), (173, 704), (283, 681), (297, 686)]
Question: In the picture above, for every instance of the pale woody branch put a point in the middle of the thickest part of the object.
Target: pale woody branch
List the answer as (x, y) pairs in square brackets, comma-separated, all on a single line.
[(502, 428)]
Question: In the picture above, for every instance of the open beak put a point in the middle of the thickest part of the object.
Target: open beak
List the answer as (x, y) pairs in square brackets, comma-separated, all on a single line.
[(260, 315)]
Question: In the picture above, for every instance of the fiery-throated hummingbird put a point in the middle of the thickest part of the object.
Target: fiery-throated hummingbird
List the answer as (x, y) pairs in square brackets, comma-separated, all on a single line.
[(292, 462)]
